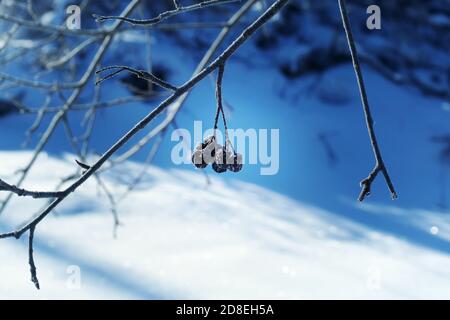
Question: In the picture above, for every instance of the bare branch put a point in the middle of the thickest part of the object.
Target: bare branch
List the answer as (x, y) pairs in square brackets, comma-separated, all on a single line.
[(135, 181), (219, 99), (39, 84), (138, 73), (165, 15), (83, 165), (71, 100), (71, 53), (34, 278), (379, 166), (176, 4), (27, 193)]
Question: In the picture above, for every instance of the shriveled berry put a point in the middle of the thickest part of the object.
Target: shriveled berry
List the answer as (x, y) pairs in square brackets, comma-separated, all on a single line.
[(199, 147), (235, 164), (208, 140), (209, 152), (219, 168), (197, 159), (223, 156)]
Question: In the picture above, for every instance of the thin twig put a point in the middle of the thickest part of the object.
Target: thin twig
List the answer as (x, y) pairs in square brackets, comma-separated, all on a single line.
[(379, 165), (34, 278), (165, 15), (138, 178), (27, 193), (176, 4), (73, 143), (142, 74), (220, 72)]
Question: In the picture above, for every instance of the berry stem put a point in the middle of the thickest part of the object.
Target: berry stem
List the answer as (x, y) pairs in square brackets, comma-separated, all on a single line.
[(220, 71)]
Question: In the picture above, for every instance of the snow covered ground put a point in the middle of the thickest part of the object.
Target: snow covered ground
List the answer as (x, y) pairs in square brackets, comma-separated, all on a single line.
[(183, 239)]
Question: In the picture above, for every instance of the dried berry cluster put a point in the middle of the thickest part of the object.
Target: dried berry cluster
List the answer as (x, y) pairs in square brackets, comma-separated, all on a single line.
[(221, 158)]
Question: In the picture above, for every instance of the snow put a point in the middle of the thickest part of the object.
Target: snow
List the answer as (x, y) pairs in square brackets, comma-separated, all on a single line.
[(181, 238)]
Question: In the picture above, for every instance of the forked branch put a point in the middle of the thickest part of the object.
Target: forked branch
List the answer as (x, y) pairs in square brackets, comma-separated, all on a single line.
[(379, 164), (142, 74)]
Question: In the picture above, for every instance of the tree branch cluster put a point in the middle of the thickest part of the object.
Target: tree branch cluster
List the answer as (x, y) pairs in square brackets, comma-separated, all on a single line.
[(59, 115), (68, 93)]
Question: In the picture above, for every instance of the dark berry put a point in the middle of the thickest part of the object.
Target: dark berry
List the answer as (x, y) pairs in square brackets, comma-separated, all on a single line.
[(197, 160), (208, 140), (199, 147), (235, 165), (219, 168), (223, 156), (209, 152)]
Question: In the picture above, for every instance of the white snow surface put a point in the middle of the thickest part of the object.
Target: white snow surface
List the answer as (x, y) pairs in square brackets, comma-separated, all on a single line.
[(183, 239)]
